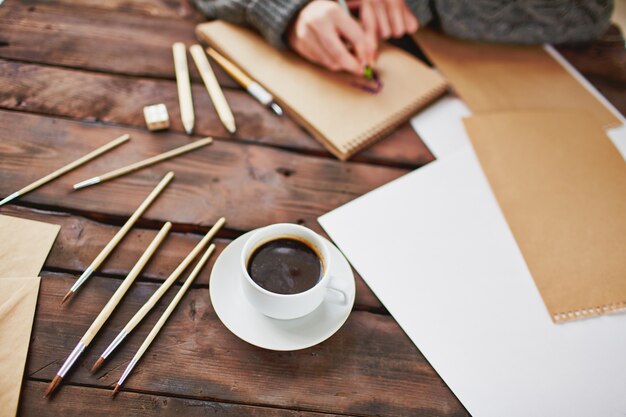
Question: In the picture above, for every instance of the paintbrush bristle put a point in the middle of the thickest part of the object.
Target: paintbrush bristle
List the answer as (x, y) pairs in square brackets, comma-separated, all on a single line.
[(97, 365), (53, 385), (115, 390), (67, 296)]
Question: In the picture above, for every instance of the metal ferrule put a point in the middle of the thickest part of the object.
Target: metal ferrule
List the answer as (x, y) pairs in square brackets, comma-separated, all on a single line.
[(118, 339), (127, 371), (82, 279), (86, 183), (9, 198), (276, 108), (71, 359)]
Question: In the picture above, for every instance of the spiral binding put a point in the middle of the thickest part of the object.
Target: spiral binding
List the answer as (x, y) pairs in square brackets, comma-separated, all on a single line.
[(589, 312), (379, 131)]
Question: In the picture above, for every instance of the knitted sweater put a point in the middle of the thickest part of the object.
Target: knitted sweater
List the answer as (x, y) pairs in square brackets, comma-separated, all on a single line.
[(515, 21)]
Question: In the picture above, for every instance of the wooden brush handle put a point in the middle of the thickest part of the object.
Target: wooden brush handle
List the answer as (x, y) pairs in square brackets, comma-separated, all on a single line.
[(141, 313), (170, 308), (121, 290), (154, 159), (131, 221), (80, 161)]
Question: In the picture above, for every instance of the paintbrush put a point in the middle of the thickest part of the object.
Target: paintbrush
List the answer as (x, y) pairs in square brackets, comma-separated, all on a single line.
[(166, 314), (108, 309)]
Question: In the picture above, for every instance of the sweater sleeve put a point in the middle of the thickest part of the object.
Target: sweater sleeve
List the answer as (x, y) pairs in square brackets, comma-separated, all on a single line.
[(422, 10), (524, 21), (269, 17)]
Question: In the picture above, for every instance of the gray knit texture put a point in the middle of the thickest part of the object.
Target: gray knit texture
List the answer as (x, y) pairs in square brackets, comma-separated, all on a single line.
[(513, 21)]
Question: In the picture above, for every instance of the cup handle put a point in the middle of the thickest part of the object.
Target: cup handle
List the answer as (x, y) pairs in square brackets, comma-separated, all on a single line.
[(338, 293)]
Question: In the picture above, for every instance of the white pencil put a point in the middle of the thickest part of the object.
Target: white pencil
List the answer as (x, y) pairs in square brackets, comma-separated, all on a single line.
[(166, 314), (213, 87), (184, 86)]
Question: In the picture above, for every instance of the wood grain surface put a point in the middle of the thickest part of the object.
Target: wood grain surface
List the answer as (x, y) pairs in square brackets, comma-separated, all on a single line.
[(71, 400), (118, 100), (80, 239), (197, 357), (75, 74), (220, 180)]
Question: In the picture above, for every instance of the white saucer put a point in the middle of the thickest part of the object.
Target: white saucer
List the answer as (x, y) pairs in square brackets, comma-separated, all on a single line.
[(248, 324)]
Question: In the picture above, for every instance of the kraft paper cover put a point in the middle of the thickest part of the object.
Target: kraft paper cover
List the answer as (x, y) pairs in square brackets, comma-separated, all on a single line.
[(561, 185), (343, 118), (497, 77), (18, 299), (24, 246)]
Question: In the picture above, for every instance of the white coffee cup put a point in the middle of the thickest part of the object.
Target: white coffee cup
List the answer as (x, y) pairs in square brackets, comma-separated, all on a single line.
[(290, 306)]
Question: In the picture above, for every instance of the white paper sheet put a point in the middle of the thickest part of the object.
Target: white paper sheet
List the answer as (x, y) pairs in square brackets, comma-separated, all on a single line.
[(440, 125), (435, 248)]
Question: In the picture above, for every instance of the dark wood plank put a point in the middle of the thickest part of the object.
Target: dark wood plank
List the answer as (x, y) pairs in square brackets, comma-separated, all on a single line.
[(178, 9), (367, 368), (85, 37), (81, 239), (119, 100), (76, 400), (108, 37), (250, 185)]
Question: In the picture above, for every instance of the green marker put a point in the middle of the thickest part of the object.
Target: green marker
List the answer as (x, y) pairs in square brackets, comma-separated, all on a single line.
[(368, 72)]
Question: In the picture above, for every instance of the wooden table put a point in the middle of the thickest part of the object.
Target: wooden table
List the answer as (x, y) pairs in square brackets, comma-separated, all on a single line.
[(75, 74)]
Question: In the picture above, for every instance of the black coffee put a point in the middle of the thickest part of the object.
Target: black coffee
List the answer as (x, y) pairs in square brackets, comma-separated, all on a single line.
[(285, 266)]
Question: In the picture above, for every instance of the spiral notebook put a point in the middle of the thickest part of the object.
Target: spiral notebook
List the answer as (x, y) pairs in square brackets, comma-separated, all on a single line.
[(497, 77), (561, 185), (343, 118)]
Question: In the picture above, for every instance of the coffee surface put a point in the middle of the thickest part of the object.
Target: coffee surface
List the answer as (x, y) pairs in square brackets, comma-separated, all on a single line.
[(285, 266)]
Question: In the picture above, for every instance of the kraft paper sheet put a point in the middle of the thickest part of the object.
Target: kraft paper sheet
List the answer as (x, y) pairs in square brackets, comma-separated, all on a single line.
[(496, 77), (561, 185), (24, 246), (343, 118), (18, 300)]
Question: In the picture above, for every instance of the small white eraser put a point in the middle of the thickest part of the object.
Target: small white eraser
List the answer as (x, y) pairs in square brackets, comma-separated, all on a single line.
[(156, 117)]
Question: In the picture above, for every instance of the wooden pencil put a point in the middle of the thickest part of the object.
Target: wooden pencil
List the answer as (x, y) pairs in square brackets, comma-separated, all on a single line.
[(166, 314), (106, 312), (185, 100), (144, 163), (119, 235), (64, 169), (213, 87), (148, 305)]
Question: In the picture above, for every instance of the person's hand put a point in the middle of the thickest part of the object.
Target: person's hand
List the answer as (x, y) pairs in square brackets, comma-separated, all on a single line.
[(383, 19), (325, 34)]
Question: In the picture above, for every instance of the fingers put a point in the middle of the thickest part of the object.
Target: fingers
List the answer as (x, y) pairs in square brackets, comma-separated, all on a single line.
[(395, 13), (382, 20), (336, 50), (410, 21), (303, 40), (354, 34), (368, 21), (392, 18)]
